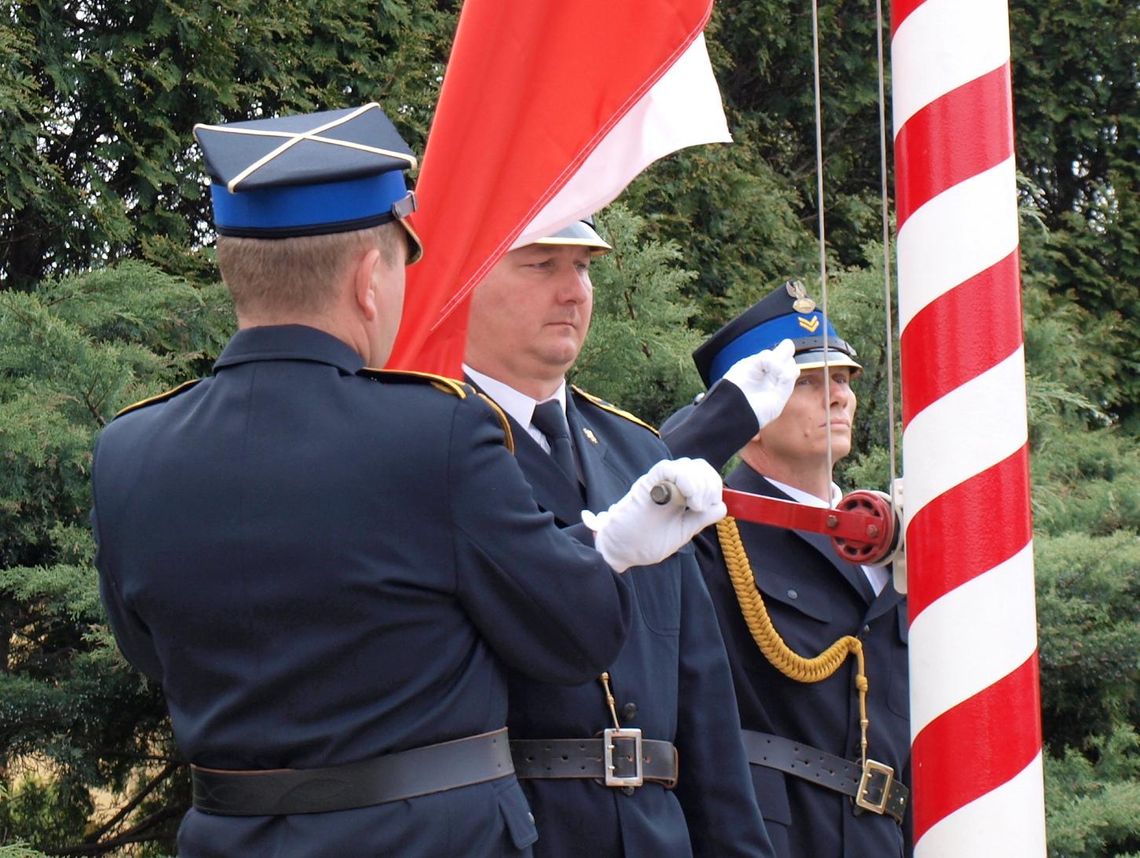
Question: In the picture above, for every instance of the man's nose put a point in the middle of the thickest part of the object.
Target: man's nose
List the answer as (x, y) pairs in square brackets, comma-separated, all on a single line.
[(573, 286)]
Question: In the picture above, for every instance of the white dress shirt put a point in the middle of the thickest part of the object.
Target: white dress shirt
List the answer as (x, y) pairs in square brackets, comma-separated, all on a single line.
[(876, 575), (518, 405)]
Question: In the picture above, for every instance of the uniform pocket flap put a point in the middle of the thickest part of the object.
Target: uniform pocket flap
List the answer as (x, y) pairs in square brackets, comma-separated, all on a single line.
[(517, 815), (807, 600), (771, 794)]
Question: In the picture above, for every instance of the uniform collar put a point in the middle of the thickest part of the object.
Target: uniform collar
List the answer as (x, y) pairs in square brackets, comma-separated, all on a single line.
[(747, 479), (518, 405), (289, 342), (807, 498)]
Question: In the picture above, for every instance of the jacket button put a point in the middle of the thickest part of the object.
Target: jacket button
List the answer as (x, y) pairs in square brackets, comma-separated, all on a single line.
[(792, 594), (629, 712)]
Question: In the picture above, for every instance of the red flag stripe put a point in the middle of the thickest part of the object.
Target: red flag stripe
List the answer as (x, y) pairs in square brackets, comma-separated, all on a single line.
[(956, 537), (960, 335), (531, 87), (931, 138), (977, 746)]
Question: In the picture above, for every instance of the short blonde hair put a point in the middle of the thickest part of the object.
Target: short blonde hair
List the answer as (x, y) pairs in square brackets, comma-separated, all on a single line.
[(298, 274)]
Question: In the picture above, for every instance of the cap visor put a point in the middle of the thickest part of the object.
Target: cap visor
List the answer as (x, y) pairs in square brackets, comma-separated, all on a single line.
[(814, 360), (577, 234)]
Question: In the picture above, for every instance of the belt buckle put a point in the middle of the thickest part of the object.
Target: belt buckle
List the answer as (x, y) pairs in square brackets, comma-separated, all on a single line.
[(610, 753), (872, 771)]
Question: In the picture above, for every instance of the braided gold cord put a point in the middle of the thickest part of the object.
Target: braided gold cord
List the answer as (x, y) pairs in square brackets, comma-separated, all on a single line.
[(775, 650)]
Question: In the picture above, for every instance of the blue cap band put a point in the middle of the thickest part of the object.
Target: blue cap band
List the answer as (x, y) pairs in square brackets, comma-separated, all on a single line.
[(768, 335), (306, 208)]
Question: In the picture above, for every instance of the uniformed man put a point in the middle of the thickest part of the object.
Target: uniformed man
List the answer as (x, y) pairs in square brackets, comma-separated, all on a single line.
[(301, 551), (803, 737), (645, 759)]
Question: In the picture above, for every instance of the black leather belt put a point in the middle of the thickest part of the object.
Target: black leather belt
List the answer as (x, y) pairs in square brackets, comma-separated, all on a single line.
[(873, 786), (404, 774), (618, 758)]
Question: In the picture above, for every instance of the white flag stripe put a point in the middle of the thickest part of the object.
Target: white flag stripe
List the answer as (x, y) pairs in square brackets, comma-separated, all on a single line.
[(942, 45), (967, 431), (971, 637), (1008, 821), (682, 109), (957, 234)]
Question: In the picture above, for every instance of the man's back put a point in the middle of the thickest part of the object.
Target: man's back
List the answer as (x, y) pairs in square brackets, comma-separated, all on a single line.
[(319, 575)]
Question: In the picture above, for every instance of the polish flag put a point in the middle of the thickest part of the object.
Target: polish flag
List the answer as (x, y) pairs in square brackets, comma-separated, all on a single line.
[(549, 108)]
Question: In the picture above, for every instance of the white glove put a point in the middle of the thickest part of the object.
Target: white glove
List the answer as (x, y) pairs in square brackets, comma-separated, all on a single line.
[(766, 379), (636, 531)]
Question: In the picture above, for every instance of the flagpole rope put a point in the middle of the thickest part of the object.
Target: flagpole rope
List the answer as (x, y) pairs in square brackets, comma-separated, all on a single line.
[(820, 215), (884, 199), (884, 196)]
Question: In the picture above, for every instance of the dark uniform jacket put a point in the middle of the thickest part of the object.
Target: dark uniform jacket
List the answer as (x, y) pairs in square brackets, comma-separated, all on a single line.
[(670, 679), (813, 598), (321, 567)]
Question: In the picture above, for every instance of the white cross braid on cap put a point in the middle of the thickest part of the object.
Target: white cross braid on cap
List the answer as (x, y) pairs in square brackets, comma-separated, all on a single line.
[(308, 174)]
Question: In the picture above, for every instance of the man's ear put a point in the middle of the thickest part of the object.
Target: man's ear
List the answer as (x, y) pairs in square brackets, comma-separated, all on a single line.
[(364, 276)]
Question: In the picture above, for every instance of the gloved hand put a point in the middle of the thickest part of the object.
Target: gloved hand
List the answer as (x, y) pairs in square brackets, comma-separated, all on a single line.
[(766, 379), (636, 531)]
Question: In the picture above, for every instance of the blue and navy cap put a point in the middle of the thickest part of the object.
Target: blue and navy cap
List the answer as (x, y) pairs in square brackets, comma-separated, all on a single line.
[(312, 174), (580, 233), (786, 313)]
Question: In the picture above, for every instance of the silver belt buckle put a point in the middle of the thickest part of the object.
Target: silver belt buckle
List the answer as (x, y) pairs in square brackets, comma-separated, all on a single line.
[(872, 769), (610, 751)]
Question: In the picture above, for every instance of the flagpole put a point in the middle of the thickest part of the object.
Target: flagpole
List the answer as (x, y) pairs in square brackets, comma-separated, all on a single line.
[(975, 708)]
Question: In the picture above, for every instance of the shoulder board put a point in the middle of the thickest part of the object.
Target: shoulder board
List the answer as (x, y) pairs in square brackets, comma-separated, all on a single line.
[(439, 382), (503, 419), (613, 409), (160, 397), (447, 385)]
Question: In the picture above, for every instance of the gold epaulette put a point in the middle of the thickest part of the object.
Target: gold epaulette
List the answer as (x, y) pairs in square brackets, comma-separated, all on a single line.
[(160, 397), (613, 409), (447, 385), (503, 420), (439, 382)]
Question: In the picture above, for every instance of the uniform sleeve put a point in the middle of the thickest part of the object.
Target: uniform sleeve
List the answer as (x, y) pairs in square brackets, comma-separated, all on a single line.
[(715, 429), (715, 788), (131, 634), (547, 603)]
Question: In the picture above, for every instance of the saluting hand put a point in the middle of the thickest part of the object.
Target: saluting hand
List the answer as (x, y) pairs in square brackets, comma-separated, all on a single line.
[(766, 380), (638, 531)]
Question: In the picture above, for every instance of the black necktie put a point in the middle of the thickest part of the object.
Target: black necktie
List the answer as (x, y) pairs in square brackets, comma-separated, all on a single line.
[(550, 420)]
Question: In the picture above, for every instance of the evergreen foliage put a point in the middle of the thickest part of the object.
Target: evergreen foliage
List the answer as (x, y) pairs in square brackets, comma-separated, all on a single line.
[(72, 353), (104, 96), (638, 350), (107, 295)]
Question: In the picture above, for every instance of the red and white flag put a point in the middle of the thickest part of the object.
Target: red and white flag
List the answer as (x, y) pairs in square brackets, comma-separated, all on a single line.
[(548, 110)]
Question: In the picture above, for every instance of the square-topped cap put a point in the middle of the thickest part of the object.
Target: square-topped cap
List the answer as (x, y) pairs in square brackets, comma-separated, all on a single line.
[(309, 174)]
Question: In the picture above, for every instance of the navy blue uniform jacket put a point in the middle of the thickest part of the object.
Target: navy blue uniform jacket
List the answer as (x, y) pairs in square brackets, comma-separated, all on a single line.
[(671, 680), (813, 598), (320, 567)]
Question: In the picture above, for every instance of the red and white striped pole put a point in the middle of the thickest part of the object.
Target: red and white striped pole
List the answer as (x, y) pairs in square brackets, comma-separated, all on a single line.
[(975, 703)]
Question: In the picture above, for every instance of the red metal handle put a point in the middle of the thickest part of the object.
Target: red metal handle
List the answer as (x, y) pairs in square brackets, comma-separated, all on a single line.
[(863, 527)]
